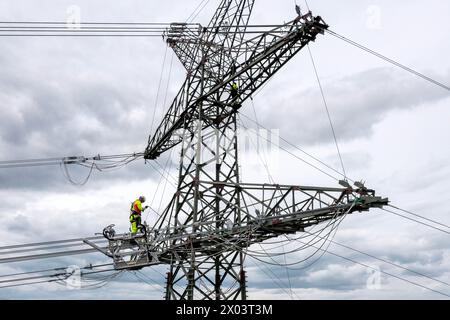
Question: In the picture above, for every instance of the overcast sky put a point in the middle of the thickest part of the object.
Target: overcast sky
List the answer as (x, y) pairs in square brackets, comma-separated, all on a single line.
[(85, 96)]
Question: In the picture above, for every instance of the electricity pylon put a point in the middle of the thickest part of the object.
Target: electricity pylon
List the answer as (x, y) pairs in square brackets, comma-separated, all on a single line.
[(213, 216)]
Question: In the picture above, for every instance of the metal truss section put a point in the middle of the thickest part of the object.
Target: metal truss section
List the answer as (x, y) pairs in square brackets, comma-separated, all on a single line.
[(249, 64), (205, 253), (266, 211), (228, 26)]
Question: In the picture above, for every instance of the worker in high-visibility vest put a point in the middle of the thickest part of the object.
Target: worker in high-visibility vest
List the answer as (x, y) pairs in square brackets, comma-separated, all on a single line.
[(135, 214), (234, 90)]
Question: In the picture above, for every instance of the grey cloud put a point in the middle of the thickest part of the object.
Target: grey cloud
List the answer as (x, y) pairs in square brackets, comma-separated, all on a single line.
[(19, 223), (356, 104), (327, 273), (70, 113), (426, 254)]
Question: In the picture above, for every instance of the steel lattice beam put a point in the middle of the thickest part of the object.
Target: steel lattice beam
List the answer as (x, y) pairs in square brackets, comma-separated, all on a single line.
[(250, 64)]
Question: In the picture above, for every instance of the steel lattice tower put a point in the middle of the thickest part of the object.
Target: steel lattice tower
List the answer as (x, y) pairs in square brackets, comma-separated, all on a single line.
[(213, 216)]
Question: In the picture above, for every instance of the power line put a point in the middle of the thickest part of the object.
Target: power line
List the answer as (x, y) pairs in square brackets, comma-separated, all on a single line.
[(87, 23), (48, 255), (419, 216), (300, 149), (53, 269), (21, 163), (120, 25), (365, 265), (79, 35), (44, 276), (385, 272), (109, 29), (153, 120), (56, 272), (158, 90), (145, 278), (90, 29), (35, 244), (264, 162), (69, 177), (398, 64), (197, 10), (52, 31), (48, 248), (28, 283), (57, 275), (362, 264), (359, 251), (165, 174), (276, 280), (53, 247), (153, 27), (423, 223), (99, 163), (297, 157), (328, 111), (385, 261), (334, 226)]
